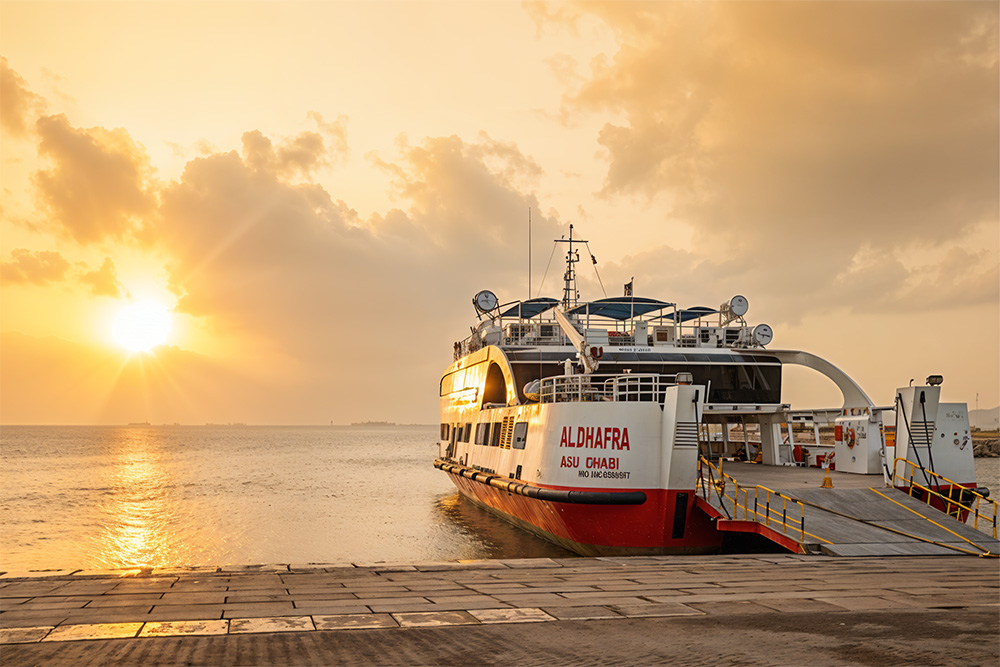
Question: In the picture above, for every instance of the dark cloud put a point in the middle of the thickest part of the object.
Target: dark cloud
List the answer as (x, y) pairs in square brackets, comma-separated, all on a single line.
[(101, 185), (104, 280), (34, 267), (17, 103)]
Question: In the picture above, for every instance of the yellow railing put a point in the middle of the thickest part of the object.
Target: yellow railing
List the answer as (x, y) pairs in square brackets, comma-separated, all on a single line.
[(756, 503), (956, 499)]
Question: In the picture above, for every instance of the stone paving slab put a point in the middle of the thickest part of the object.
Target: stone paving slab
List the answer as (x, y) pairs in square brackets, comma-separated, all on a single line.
[(200, 612), (278, 624), (523, 615), (23, 635), (184, 628), (403, 607), (581, 613), (41, 604), (193, 598), (262, 610), (65, 633), (434, 619), (354, 621), (861, 603), (652, 610), (729, 608), (311, 609), (797, 605)]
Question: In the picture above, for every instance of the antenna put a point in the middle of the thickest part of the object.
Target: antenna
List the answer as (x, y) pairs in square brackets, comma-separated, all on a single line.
[(529, 252)]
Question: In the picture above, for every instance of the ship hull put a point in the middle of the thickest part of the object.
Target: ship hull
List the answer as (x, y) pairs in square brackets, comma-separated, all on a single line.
[(668, 522)]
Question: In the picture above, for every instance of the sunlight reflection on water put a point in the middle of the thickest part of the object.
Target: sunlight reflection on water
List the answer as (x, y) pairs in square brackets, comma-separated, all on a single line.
[(110, 497), (136, 528)]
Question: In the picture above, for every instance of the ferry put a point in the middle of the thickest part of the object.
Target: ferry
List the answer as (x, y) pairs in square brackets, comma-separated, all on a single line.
[(603, 425)]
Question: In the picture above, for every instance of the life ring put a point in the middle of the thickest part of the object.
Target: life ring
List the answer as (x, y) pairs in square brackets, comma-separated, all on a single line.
[(597, 352), (850, 437)]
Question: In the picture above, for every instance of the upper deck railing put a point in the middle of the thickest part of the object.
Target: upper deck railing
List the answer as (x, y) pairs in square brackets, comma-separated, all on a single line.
[(630, 387)]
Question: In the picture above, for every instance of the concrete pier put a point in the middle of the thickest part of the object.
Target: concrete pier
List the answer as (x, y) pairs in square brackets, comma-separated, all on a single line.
[(746, 609)]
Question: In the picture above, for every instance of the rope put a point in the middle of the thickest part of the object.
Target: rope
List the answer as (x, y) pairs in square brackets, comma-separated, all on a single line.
[(594, 259), (545, 275)]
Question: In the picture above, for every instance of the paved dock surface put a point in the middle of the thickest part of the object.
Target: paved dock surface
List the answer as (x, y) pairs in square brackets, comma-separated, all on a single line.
[(711, 610)]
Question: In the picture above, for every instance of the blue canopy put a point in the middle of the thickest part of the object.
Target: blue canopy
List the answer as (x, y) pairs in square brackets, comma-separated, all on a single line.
[(528, 309), (621, 307), (688, 314)]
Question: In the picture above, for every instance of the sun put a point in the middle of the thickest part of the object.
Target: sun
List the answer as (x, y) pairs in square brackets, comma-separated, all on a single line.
[(141, 326)]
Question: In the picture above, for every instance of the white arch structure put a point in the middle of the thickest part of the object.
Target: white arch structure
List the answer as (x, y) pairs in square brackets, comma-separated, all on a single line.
[(854, 395)]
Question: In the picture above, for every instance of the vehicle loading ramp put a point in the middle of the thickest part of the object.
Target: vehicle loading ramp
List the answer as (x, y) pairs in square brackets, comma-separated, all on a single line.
[(858, 517)]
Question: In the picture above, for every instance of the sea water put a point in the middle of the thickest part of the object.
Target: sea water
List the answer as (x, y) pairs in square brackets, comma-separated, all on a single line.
[(161, 496), (111, 497)]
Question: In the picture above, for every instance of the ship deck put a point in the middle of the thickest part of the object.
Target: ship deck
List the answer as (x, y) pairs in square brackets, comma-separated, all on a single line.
[(795, 478)]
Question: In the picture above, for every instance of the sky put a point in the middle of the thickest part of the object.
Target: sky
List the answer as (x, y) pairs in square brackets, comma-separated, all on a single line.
[(314, 191)]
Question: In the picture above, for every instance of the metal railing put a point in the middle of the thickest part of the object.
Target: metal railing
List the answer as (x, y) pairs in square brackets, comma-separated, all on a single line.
[(956, 499), (757, 503), (630, 387), (573, 389)]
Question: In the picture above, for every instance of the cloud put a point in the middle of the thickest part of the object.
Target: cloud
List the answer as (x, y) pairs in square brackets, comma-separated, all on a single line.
[(104, 280), (335, 131), (297, 156), (266, 255), (101, 185), (466, 195), (34, 267), (824, 147), (17, 102), (877, 120)]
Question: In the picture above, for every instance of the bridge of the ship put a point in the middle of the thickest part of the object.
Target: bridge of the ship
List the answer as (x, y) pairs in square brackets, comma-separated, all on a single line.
[(858, 516)]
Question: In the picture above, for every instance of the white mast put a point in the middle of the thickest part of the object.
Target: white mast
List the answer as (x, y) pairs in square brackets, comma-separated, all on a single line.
[(570, 295)]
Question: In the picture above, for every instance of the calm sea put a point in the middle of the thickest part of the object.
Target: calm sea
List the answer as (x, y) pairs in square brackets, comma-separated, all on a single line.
[(108, 497)]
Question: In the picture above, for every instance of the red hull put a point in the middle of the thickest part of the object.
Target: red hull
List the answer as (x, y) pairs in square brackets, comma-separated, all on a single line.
[(605, 529)]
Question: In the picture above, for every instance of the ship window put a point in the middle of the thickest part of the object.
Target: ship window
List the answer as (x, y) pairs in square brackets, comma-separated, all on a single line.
[(464, 380), (480, 433), (495, 390), (444, 431), (520, 435), (495, 435), (467, 433)]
